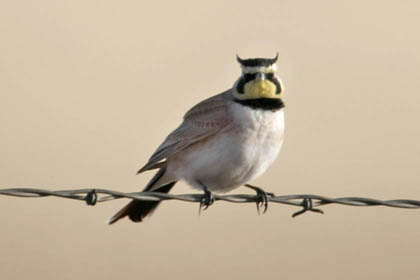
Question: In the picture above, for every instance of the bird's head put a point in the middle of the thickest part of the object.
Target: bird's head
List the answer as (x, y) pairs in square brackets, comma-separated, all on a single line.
[(258, 79)]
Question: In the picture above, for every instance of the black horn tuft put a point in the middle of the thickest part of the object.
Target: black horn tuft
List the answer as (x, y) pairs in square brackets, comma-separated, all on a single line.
[(240, 60), (274, 60), (257, 62)]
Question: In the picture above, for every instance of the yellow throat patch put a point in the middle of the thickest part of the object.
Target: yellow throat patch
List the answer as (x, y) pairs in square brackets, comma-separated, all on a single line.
[(259, 89)]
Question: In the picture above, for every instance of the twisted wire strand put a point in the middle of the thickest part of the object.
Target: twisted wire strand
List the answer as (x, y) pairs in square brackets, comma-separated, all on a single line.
[(306, 201)]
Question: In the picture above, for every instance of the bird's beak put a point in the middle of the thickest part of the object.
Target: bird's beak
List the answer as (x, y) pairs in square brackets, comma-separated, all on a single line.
[(260, 77)]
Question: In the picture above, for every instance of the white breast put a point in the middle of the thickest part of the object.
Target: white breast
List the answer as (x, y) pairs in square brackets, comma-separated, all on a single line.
[(239, 154), (262, 133)]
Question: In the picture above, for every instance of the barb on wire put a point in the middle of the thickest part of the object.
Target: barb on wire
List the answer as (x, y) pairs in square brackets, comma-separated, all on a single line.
[(306, 201)]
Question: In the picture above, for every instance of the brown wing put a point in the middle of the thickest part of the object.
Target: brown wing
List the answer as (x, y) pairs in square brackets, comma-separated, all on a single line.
[(200, 122)]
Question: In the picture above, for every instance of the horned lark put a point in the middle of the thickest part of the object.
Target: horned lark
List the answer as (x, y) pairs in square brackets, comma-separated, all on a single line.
[(223, 142)]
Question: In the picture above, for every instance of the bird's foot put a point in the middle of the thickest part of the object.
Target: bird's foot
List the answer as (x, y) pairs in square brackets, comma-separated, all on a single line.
[(206, 201), (307, 205), (262, 198)]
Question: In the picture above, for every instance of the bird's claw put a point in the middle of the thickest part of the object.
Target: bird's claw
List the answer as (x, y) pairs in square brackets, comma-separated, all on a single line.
[(307, 205), (206, 201), (262, 198)]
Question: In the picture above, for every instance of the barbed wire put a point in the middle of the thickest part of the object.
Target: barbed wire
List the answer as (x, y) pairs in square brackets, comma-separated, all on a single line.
[(306, 201)]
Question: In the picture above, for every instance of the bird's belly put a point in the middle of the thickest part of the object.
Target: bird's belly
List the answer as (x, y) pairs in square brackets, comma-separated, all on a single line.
[(234, 157)]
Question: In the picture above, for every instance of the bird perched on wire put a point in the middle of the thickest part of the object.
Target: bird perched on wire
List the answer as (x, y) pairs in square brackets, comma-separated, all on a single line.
[(223, 142)]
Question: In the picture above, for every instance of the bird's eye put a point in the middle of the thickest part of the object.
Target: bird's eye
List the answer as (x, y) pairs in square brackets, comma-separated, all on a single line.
[(250, 76), (269, 76)]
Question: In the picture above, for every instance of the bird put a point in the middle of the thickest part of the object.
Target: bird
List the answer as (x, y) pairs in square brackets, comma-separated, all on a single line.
[(224, 141)]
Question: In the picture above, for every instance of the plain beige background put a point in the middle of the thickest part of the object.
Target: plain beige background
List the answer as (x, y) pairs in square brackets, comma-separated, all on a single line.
[(88, 89)]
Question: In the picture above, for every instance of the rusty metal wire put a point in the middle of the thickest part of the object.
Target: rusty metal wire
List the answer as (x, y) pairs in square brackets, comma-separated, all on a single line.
[(306, 201)]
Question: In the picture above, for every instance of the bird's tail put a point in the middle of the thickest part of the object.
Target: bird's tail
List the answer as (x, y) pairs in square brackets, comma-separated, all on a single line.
[(137, 210)]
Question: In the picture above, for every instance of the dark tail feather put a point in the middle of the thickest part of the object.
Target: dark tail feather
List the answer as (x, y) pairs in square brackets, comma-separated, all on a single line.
[(137, 210)]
